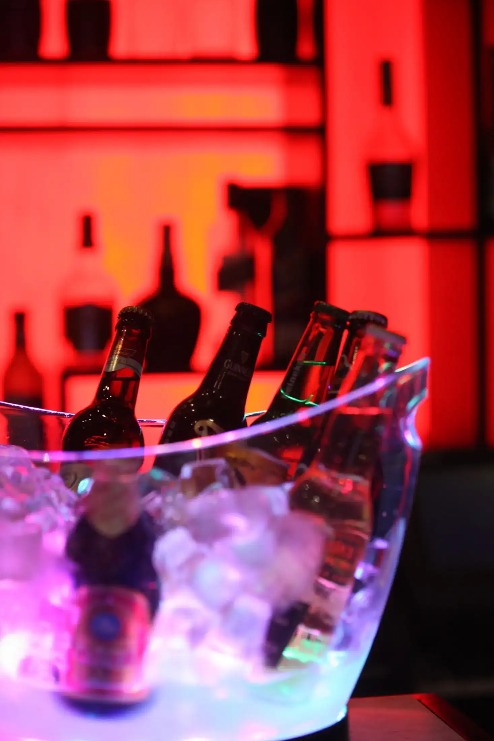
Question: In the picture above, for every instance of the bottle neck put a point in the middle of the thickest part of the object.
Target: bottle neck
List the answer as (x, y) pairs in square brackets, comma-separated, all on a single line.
[(310, 370), (232, 368), (20, 335), (123, 368)]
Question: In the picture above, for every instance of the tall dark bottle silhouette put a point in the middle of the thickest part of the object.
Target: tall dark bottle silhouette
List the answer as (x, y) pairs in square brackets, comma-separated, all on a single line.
[(177, 318)]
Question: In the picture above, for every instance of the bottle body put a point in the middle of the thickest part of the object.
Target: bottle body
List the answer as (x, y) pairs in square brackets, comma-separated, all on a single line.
[(218, 404), (110, 420)]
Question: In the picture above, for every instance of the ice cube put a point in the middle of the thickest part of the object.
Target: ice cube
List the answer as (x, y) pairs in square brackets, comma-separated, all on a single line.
[(250, 551), (183, 619), (243, 626), (216, 582), (199, 476), (290, 575), (175, 552), (20, 549)]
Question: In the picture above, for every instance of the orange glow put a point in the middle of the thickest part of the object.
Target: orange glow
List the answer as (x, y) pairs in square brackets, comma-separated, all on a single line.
[(410, 280)]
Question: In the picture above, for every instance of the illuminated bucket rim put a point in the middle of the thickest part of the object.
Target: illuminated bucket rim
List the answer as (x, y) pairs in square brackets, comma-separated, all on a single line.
[(212, 441), (220, 709)]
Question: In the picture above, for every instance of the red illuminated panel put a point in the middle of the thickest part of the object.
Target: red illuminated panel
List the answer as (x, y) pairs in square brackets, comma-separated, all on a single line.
[(450, 151), (410, 280), (433, 102), (359, 34), (166, 94)]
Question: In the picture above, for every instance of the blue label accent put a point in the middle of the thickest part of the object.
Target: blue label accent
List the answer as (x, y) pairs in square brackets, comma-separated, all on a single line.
[(105, 626)]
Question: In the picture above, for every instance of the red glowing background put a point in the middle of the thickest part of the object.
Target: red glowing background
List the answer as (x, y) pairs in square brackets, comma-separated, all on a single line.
[(141, 142)]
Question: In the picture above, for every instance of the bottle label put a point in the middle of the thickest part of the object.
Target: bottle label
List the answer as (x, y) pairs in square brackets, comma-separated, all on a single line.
[(205, 427), (105, 659), (123, 359), (343, 553)]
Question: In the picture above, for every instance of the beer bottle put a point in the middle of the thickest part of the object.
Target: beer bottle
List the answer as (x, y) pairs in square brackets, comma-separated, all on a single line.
[(357, 323), (117, 590), (110, 420), (306, 382), (337, 487), (218, 404)]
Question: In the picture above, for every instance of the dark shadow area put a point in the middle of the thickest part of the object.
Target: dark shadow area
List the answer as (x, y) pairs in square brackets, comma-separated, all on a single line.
[(437, 633)]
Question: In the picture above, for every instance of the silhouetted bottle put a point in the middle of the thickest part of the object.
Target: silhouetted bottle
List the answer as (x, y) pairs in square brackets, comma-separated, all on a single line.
[(89, 295), (20, 28), (176, 317), (219, 402), (110, 420), (306, 382), (337, 487), (390, 163), (276, 24), (23, 384), (117, 590), (88, 29)]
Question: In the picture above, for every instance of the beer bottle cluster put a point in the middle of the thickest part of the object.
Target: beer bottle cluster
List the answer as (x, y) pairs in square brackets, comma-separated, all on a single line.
[(331, 463)]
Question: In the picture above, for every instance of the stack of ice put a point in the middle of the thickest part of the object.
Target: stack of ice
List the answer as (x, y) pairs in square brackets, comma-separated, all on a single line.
[(232, 558)]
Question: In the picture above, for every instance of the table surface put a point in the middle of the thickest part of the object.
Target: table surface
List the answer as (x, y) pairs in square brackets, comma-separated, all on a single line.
[(424, 717)]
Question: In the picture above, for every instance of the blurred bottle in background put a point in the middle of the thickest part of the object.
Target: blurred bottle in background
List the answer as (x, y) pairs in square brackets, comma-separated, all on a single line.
[(390, 162), (88, 29), (20, 28), (89, 296), (176, 317), (23, 384)]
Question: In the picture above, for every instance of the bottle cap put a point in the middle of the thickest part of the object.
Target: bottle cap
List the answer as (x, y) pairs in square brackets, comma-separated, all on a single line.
[(254, 313), (339, 315), (361, 317), (135, 315)]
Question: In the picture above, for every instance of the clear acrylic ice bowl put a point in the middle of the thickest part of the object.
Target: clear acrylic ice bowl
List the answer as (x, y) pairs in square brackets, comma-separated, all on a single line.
[(227, 553)]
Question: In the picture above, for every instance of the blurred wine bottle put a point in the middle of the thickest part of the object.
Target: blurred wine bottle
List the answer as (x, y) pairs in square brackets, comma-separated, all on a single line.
[(176, 317), (20, 27), (23, 384), (88, 29), (89, 295), (390, 162), (109, 421), (276, 30)]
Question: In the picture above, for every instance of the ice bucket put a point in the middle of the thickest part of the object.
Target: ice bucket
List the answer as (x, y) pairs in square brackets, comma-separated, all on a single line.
[(230, 553)]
